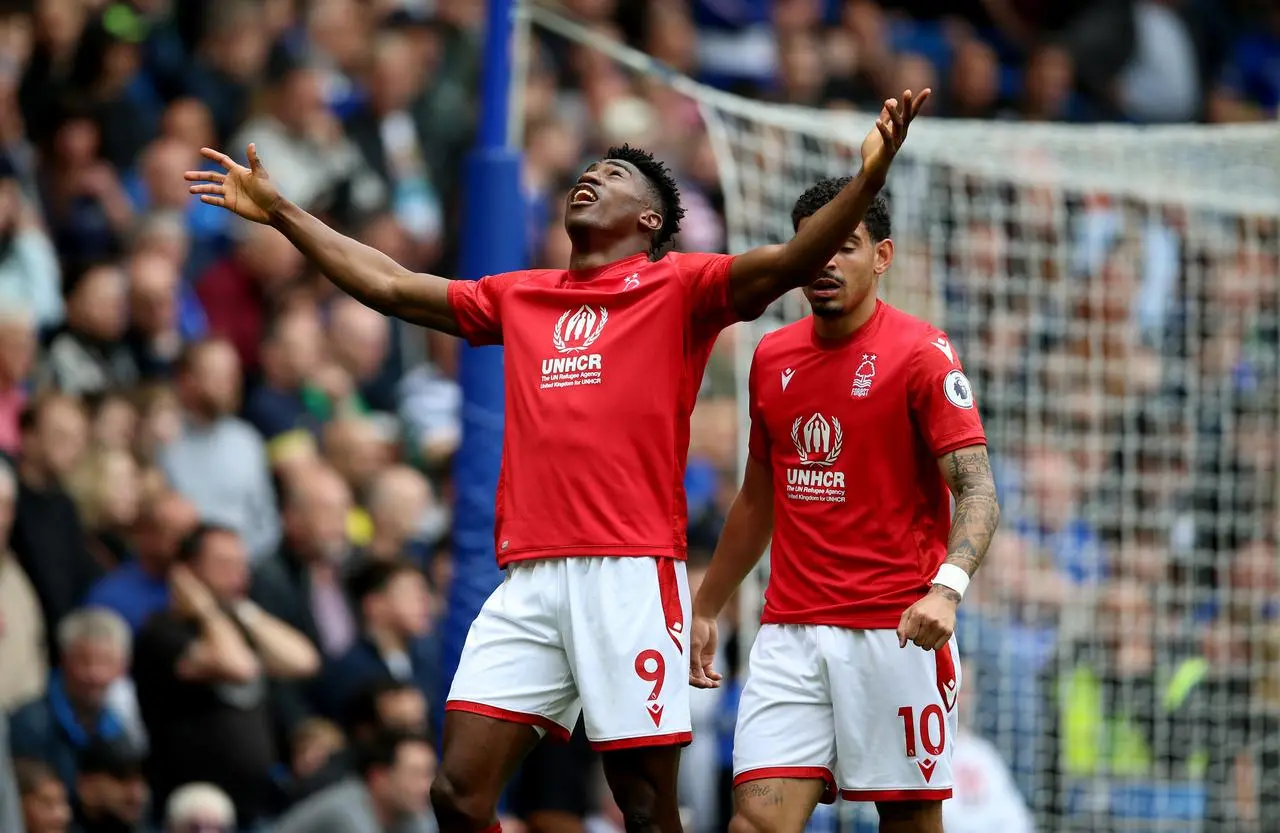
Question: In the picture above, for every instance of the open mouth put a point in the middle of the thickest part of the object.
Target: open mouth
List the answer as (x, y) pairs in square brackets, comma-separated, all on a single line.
[(826, 283), (583, 195)]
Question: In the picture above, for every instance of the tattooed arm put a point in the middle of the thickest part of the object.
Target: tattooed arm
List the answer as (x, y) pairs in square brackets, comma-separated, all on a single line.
[(930, 622), (977, 514)]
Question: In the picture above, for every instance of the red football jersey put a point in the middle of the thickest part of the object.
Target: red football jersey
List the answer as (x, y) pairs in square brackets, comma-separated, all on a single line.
[(851, 431), (602, 368)]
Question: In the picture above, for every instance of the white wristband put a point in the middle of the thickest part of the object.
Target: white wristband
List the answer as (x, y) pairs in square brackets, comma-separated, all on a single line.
[(949, 575)]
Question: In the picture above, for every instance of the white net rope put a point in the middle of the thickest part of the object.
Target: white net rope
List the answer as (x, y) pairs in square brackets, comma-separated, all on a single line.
[(1114, 293)]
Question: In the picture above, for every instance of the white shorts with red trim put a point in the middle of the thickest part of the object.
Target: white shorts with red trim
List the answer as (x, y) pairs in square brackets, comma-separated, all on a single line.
[(602, 637), (874, 721)]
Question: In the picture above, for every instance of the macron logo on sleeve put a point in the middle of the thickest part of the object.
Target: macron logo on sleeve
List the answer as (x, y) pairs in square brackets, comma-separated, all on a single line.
[(786, 377), (943, 345)]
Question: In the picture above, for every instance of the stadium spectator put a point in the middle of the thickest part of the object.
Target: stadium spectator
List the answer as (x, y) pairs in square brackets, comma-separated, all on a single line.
[(17, 356), (360, 341), (86, 355), (30, 274), (75, 710), (395, 621), (43, 798), (218, 462), (202, 669), (319, 164), (389, 796), (199, 808), (407, 518), (241, 291), (155, 335), (139, 588), (106, 486), (288, 401), (22, 635), (303, 584), (110, 792), (47, 536), (357, 450)]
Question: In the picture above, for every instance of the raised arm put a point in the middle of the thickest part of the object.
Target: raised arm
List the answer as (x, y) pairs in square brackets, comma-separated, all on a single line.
[(361, 271), (742, 542), (762, 275)]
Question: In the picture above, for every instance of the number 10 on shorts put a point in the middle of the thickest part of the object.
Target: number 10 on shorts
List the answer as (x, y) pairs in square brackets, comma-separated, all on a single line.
[(931, 730)]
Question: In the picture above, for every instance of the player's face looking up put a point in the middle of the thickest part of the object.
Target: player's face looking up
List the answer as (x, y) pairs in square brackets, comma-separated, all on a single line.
[(852, 275), (612, 196)]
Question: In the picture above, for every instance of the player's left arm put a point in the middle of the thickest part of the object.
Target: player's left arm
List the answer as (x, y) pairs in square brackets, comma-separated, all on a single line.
[(762, 275)]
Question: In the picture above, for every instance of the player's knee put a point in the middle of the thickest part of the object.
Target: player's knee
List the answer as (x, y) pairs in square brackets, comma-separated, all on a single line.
[(459, 809), (638, 802)]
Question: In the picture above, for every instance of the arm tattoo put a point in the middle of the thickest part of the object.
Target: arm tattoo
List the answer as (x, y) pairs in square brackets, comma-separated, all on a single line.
[(977, 514)]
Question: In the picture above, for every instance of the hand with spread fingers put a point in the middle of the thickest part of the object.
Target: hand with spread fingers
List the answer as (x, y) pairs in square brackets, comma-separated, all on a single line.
[(248, 192), (884, 140)]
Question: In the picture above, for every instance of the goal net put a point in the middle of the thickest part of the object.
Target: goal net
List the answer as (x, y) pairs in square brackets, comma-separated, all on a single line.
[(1114, 294)]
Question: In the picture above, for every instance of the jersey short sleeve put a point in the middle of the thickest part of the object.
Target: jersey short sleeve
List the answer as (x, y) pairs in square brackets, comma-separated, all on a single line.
[(706, 283), (477, 305), (758, 438), (942, 399)]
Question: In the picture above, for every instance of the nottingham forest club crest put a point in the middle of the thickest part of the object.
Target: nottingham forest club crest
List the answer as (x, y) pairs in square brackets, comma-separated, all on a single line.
[(818, 440), (864, 375), (573, 336)]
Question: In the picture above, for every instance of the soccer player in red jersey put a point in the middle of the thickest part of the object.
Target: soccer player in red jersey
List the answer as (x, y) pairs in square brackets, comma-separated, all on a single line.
[(863, 426), (603, 364)]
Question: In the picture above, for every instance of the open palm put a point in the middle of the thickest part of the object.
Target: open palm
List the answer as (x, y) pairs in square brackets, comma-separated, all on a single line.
[(890, 131), (248, 192)]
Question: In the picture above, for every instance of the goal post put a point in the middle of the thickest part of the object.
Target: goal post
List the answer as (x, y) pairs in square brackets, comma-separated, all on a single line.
[(1114, 293)]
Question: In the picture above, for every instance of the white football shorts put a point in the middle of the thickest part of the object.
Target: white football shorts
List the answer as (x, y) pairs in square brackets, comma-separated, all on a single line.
[(603, 637), (876, 722)]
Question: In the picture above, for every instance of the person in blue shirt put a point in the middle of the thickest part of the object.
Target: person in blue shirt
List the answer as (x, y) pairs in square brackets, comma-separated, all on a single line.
[(139, 589), (395, 619), (95, 645)]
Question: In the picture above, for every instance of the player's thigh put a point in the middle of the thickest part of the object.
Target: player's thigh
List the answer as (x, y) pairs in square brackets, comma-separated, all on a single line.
[(644, 781), (480, 755), (786, 721), (554, 790), (514, 666), (626, 642), (895, 714), (775, 805), (910, 816)]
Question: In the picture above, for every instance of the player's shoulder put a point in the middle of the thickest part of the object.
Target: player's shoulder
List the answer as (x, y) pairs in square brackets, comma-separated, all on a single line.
[(533, 277), (913, 334), (784, 339)]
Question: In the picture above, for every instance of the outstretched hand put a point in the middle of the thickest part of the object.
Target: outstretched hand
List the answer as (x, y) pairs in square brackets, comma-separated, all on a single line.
[(882, 143), (248, 192)]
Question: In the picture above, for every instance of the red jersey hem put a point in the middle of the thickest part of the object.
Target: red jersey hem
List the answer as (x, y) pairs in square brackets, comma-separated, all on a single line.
[(865, 622), (593, 551)]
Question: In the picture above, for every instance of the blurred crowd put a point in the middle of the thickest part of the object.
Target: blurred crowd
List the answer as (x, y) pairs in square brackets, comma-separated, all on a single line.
[(225, 488)]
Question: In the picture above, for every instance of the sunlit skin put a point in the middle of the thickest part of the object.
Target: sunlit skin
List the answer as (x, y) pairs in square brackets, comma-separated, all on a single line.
[(843, 297)]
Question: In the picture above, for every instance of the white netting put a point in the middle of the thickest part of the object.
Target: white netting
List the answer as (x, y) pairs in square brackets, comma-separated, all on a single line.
[(1115, 295)]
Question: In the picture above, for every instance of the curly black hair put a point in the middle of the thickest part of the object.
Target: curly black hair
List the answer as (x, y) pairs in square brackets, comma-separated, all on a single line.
[(824, 191), (665, 192)]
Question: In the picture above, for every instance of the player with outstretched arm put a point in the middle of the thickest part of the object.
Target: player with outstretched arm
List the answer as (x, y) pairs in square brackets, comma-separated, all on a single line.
[(603, 363), (863, 426)]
